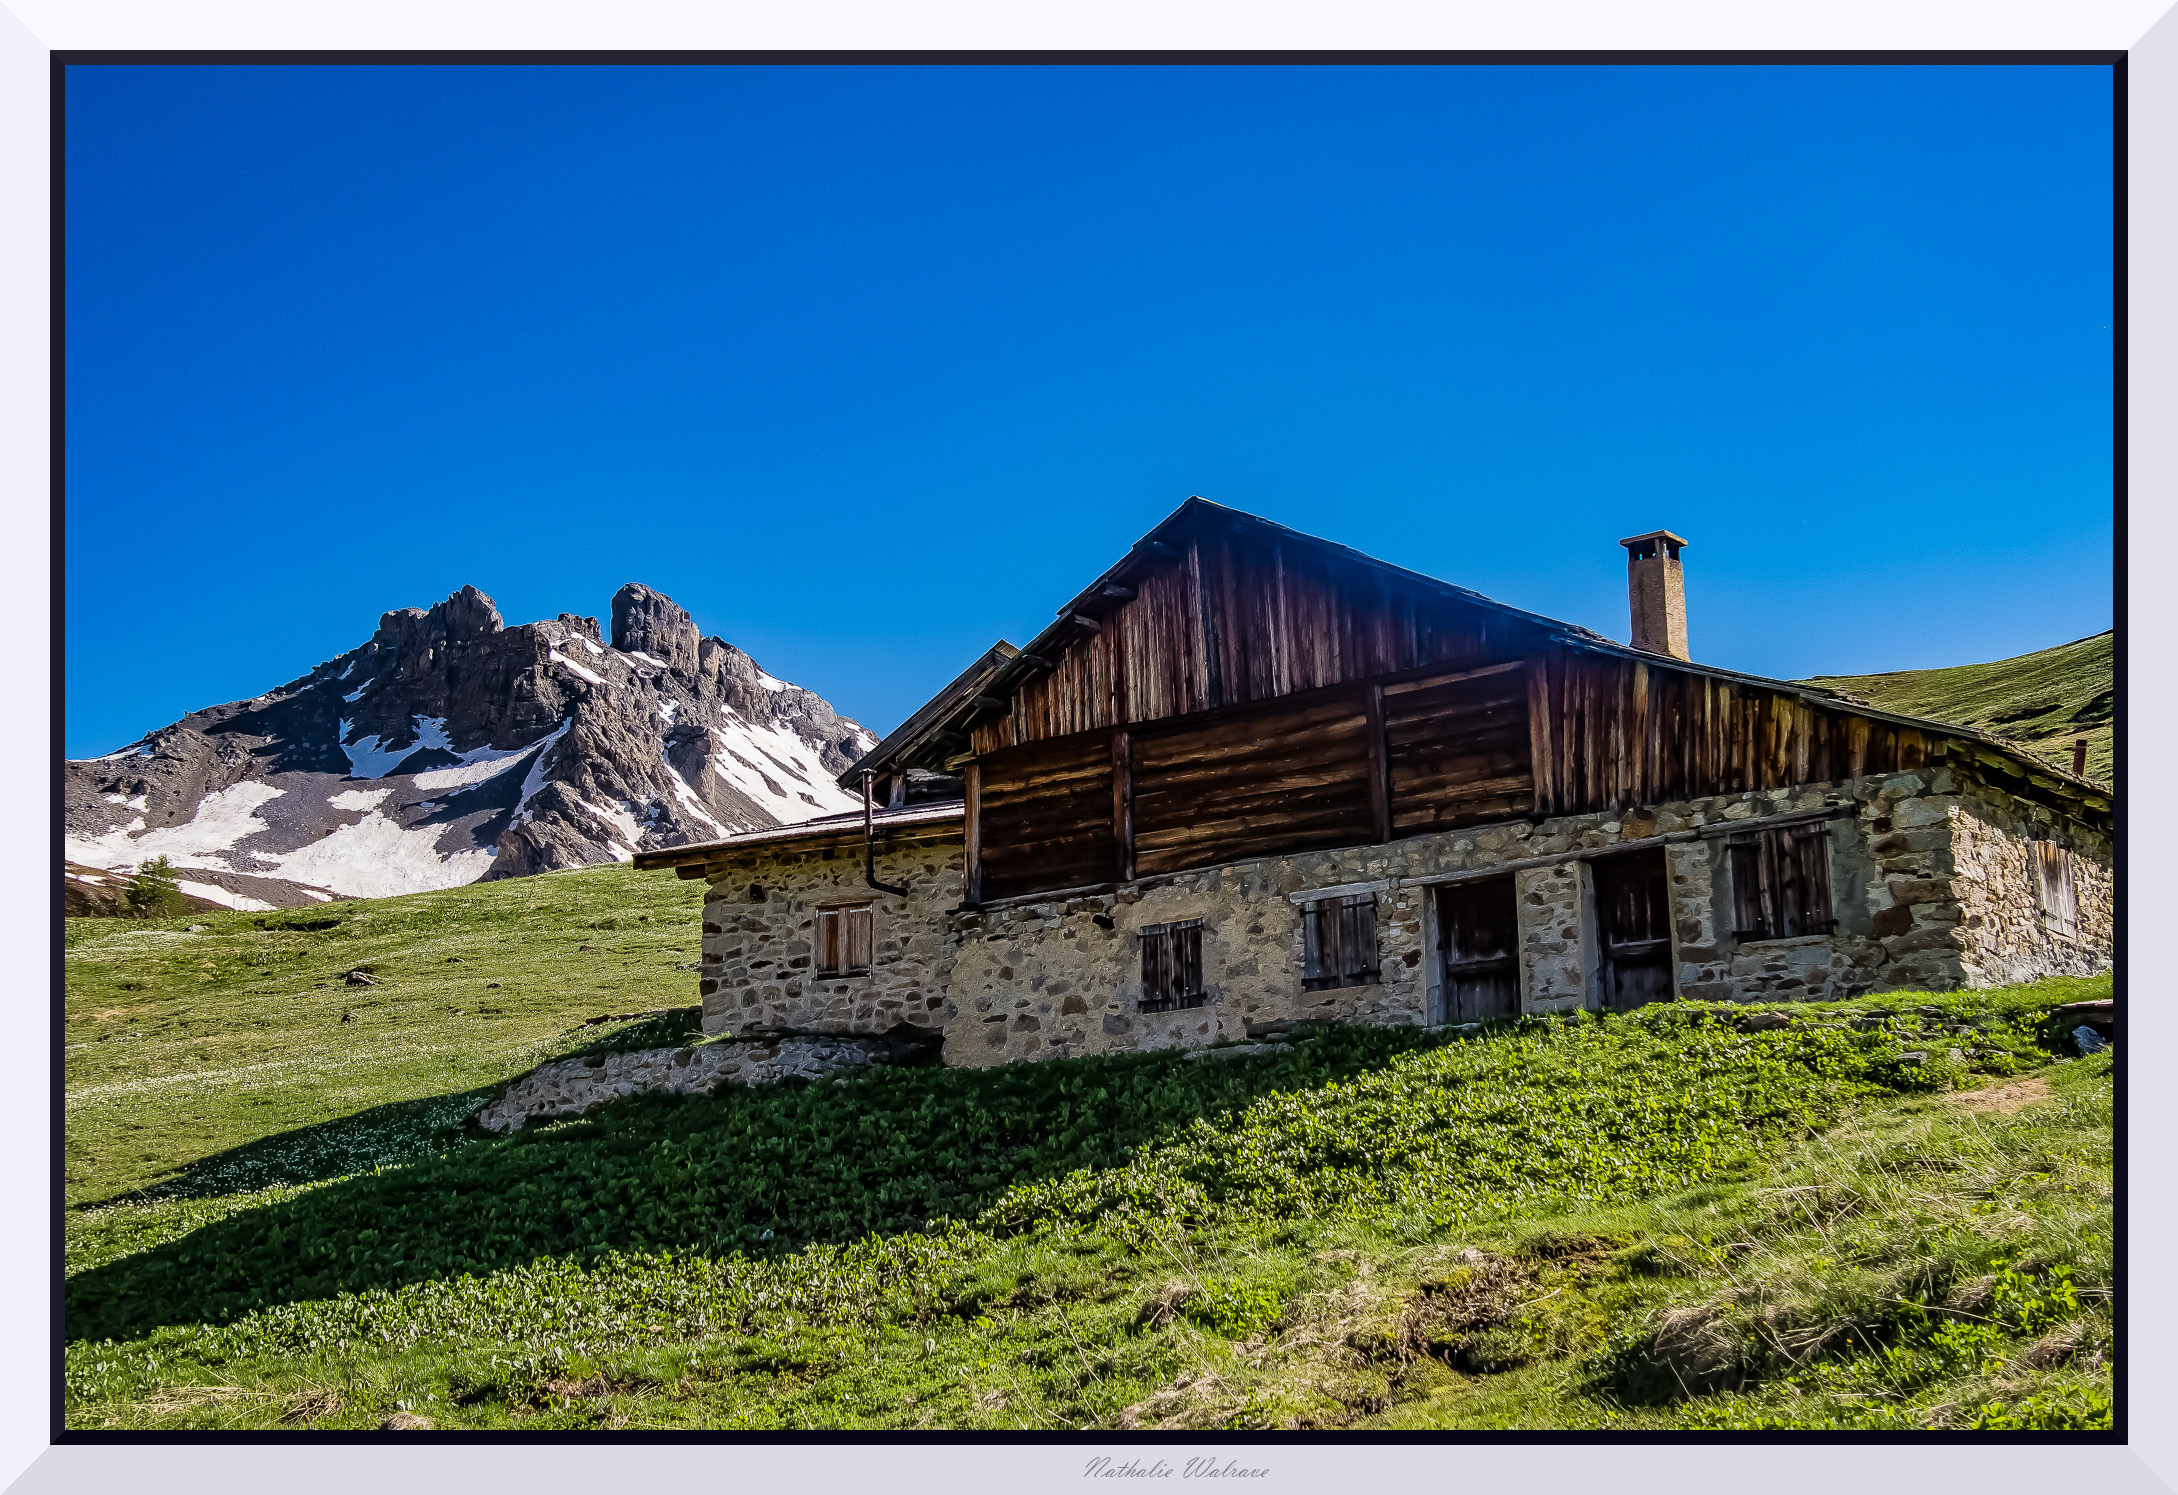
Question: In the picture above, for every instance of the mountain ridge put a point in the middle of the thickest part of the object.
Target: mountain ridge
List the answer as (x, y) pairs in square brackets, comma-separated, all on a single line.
[(451, 748)]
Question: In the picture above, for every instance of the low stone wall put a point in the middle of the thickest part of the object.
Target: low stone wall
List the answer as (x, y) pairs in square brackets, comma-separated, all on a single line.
[(569, 1087)]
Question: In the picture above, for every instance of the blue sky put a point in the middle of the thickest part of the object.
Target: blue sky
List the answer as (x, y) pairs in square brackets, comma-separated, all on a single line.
[(867, 367)]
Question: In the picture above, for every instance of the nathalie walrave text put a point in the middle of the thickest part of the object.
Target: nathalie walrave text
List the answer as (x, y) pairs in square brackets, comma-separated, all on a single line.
[(1197, 1468)]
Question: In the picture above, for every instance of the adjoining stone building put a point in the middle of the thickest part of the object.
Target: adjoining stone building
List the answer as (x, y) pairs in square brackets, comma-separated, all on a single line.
[(1251, 777)]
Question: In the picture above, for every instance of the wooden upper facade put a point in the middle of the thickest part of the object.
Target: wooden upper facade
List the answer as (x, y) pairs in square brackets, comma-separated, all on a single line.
[(1233, 689)]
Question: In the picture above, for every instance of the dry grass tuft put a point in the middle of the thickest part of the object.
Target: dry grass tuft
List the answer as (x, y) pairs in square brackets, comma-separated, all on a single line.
[(1696, 1344), (312, 1406), (2003, 1100), (1164, 1304)]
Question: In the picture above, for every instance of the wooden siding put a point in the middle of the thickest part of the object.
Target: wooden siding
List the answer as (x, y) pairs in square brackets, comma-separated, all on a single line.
[(1458, 749), (1044, 817), (1277, 779), (1244, 696), (1341, 767), (1237, 619), (1612, 733)]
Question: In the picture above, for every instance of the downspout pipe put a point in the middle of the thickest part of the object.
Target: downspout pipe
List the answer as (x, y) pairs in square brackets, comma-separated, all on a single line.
[(869, 842)]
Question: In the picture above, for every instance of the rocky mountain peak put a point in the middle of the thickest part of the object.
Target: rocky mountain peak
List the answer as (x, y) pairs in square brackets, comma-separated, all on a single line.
[(648, 622), (451, 747), (468, 614)]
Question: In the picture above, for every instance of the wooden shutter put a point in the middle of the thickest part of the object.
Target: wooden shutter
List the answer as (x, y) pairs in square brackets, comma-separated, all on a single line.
[(1750, 905), (2059, 896), (857, 927), (1808, 849), (1338, 937), (1156, 965), (1781, 882), (843, 939), (1171, 965), (1357, 939)]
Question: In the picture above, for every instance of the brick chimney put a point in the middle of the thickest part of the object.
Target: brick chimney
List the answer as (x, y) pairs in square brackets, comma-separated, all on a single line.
[(1656, 590)]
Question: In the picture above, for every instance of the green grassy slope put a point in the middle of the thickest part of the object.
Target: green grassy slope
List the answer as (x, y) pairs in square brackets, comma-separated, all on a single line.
[(1647, 1222), (182, 1050), (2045, 699)]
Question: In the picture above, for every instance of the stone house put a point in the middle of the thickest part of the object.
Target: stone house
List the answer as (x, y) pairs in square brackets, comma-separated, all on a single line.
[(1250, 777)]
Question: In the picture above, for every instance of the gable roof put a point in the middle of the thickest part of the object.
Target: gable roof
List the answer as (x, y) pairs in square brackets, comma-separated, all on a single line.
[(931, 718), (949, 714)]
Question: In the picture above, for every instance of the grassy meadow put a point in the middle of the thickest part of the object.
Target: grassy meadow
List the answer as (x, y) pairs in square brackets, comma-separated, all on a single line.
[(1893, 1213), (2044, 700)]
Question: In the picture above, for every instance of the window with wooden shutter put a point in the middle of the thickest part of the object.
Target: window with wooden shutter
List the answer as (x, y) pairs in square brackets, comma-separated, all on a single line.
[(1172, 966), (1338, 937), (1781, 882), (2055, 890), (843, 940)]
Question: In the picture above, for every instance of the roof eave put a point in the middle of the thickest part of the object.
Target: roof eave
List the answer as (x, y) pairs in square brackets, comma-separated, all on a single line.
[(897, 825)]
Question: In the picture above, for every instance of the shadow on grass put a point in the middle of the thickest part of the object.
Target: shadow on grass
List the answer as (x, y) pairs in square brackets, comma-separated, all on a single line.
[(395, 1133), (380, 1137), (742, 1170)]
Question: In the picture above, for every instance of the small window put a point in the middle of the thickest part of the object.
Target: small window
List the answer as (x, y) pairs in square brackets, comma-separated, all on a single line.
[(1339, 940), (1781, 882), (843, 940), (2055, 890), (1172, 966)]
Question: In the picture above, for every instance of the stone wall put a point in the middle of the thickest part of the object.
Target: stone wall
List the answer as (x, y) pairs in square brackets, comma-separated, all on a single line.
[(759, 919), (1065, 977), (569, 1087), (1062, 977), (1995, 886), (1558, 949), (1886, 850)]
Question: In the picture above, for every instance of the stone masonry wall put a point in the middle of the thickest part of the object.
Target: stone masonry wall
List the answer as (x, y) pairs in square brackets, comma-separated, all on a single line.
[(1995, 884), (1038, 979), (759, 920), (569, 1087), (1557, 907), (1883, 854)]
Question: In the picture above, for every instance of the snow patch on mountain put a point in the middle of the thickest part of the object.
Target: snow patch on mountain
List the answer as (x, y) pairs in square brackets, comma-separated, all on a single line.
[(534, 781), (358, 799), (221, 820), (213, 893), (622, 819), (575, 669), (378, 858)]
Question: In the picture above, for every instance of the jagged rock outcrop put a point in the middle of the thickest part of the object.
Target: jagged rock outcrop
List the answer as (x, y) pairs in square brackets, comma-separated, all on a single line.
[(647, 622), (450, 747)]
